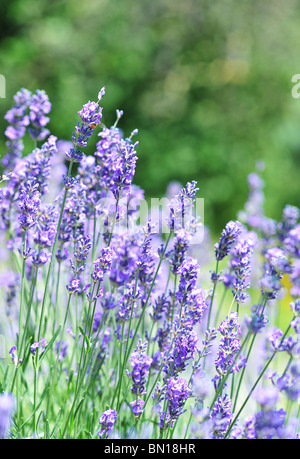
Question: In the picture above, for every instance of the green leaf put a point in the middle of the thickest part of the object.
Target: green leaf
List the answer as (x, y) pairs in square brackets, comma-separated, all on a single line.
[(49, 345), (34, 411), (56, 423), (86, 339)]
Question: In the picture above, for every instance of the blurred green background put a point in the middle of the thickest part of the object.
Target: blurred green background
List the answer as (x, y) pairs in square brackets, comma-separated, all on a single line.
[(207, 83)]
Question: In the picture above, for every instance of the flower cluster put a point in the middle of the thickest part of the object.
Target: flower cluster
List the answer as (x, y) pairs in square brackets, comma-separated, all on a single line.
[(140, 363), (107, 421), (228, 237), (135, 329), (229, 347)]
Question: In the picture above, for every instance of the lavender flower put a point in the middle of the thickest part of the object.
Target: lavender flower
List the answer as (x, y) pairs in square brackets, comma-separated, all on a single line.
[(90, 115), (241, 267), (17, 116), (140, 363), (229, 346), (62, 348), (289, 219), (39, 107), (102, 264), (177, 393), (40, 345), (229, 236), (107, 421), (14, 357), (7, 403), (29, 204), (117, 158), (181, 351), (128, 302), (137, 407), (74, 286), (177, 255), (188, 278), (277, 264), (221, 415), (256, 322), (270, 424), (292, 241)]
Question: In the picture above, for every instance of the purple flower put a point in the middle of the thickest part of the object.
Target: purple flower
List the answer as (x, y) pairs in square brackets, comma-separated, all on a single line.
[(40, 345), (195, 306), (221, 414), (161, 306), (229, 346), (74, 286), (29, 204), (176, 393), (228, 237), (14, 356), (7, 403), (182, 350), (40, 259), (177, 255), (188, 278), (90, 115), (270, 424), (278, 261), (181, 207), (17, 116), (128, 302), (289, 219), (292, 241), (256, 322), (240, 264), (140, 363), (277, 265), (137, 407), (295, 307), (207, 343), (117, 158), (102, 264), (275, 339), (295, 279), (62, 348), (107, 421), (39, 107)]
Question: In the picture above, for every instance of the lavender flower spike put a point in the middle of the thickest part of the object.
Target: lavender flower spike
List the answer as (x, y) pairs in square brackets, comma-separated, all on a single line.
[(107, 422), (228, 237), (6, 411)]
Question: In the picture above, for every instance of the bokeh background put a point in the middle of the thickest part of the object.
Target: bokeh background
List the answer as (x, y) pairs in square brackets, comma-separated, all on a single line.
[(207, 83)]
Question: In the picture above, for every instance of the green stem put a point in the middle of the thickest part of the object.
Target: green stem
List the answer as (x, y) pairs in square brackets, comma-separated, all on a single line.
[(212, 297), (247, 359), (53, 256), (256, 383)]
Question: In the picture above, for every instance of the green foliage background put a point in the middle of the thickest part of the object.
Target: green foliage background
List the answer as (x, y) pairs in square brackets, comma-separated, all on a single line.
[(207, 83)]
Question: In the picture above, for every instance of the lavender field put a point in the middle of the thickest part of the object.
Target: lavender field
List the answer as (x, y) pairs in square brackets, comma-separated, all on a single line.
[(122, 325)]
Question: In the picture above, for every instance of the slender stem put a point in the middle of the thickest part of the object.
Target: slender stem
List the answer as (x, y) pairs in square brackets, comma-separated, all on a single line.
[(247, 359), (256, 383), (22, 292), (35, 398), (220, 389), (149, 293), (220, 306), (212, 296), (243, 372), (53, 256)]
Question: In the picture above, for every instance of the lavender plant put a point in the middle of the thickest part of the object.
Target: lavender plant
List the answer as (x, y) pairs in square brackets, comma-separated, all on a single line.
[(107, 319)]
